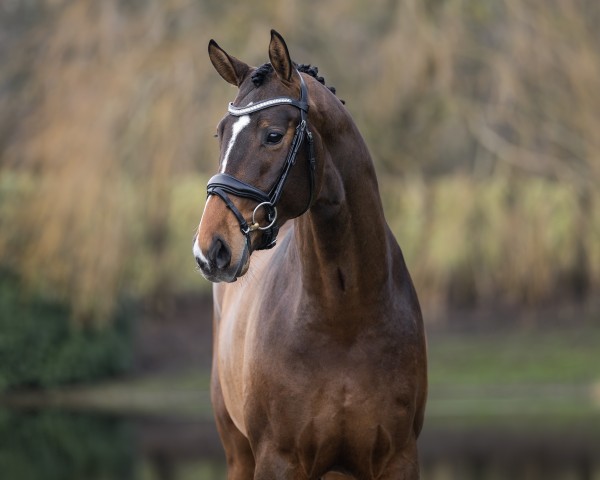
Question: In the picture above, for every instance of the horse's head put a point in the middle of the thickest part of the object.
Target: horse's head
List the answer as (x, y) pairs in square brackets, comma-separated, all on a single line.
[(267, 162)]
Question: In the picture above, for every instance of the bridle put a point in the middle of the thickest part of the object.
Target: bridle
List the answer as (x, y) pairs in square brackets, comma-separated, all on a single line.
[(223, 184)]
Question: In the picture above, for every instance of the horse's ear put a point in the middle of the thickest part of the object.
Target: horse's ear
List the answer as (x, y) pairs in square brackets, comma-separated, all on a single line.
[(230, 68), (280, 57)]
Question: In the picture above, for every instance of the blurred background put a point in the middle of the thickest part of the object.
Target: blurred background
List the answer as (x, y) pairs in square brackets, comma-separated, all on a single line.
[(482, 117)]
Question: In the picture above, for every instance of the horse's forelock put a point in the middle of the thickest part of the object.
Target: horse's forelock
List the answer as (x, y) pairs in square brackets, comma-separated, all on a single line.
[(259, 75)]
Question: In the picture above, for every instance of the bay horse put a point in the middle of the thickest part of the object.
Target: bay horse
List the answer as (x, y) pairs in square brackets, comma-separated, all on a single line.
[(319, 365)]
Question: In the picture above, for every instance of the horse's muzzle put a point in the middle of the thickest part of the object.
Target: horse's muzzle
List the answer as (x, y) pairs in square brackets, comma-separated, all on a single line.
[(216, 266)]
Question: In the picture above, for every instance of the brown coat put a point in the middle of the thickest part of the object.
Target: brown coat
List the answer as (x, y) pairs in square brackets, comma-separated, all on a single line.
[(319, 350)]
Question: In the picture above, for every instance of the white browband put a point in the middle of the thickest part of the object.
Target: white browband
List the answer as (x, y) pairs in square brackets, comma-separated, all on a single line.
[(239, 111)]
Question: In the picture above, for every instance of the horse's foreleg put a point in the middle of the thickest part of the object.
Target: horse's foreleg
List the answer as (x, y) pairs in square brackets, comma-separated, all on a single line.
[(405, 466), (271, 465), (240, 460)]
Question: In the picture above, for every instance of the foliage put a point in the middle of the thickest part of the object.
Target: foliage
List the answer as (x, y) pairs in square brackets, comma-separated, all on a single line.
[(39, 347), (495, 241), (108, 111), (57, 445)]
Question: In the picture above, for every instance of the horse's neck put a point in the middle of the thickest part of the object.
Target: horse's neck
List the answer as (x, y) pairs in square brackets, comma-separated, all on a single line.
[(343, 241)]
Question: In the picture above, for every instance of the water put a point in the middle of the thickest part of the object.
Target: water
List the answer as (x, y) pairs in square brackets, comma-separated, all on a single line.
[(61, 445)]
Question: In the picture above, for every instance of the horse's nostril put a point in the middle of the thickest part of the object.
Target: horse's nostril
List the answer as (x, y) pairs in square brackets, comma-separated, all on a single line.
[(220, 254), (199, 262)]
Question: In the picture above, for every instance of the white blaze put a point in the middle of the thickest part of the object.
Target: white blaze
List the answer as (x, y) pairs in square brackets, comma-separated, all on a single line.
[(236, 129), (196, 248)]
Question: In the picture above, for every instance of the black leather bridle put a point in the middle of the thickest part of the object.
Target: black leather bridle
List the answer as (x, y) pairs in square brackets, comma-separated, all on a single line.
[(223, 184)]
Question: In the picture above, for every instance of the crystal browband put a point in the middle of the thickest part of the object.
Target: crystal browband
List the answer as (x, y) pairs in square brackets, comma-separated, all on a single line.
[(239, 111)]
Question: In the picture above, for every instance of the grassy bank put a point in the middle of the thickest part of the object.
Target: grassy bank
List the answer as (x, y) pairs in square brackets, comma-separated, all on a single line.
[(547, 376), (540, 375)]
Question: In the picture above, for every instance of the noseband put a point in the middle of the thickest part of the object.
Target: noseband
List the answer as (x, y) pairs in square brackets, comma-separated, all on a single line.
[(223, 184)]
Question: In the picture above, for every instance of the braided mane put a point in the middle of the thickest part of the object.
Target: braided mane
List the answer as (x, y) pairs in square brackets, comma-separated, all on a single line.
[(259, 75)]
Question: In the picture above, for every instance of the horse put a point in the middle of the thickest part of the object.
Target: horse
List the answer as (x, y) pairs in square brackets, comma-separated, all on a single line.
[(319, 354)]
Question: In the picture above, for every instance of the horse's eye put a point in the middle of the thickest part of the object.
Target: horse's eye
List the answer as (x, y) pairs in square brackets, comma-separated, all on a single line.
[(274, 138)]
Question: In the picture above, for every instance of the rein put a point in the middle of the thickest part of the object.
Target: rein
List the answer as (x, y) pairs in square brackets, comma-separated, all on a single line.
[(223, 184)]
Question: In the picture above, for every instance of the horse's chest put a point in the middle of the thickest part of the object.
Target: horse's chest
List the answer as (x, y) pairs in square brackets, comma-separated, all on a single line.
[(336, 400), (298, 381)]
